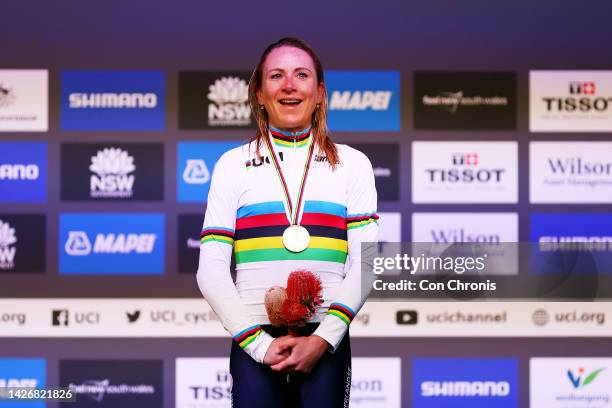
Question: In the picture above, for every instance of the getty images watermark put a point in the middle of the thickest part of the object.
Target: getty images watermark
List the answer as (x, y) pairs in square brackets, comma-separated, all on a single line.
[(526, 271)]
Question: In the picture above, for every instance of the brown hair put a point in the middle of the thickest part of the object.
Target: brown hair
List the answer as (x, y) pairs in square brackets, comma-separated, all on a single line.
[(319, 117)]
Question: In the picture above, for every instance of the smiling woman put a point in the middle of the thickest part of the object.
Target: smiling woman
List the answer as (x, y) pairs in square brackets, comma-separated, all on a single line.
[(290, 200)]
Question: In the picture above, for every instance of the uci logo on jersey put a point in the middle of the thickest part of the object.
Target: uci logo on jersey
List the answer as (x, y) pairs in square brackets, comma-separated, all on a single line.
[(113, 100), (102, 243), (195, 161), (363, 100)]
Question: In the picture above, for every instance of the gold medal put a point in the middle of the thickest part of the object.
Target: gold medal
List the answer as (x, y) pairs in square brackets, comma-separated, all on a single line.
[(296, 238)]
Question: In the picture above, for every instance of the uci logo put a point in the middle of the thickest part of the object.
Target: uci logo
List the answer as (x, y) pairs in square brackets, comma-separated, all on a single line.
[(196, 172)]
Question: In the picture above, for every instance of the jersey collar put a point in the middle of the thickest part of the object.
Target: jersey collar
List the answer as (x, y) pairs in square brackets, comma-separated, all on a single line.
[(283, 138)]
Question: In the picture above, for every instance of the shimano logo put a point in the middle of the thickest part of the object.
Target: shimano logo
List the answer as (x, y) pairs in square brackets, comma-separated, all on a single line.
[(465, 389), (112, 167), (7, 250), (360, 100), (229, 105), (576, 242), (112, 100), (196, 172), (19, 172), (461, 235), (78, 244)]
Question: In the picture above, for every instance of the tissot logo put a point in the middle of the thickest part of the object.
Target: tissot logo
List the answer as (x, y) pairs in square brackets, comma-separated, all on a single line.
[(113, 383), (195, 163), (406, 317), (122, 171), (23, 172), (363, 100), (451, 382), (385, 163), (465, 100), (24, 100), (22, 243), (113, 100), (214, 99), (464, 172), (570, 172), (203, 383), (96, 243), (569, 101)]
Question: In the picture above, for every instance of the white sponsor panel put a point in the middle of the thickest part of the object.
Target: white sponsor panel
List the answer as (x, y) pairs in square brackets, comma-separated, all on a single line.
[(24, 100), (203, 383), (489, 231), (170, 317), (376, 382), (570, 101), (465, 172), (570, 382), (570, 172)]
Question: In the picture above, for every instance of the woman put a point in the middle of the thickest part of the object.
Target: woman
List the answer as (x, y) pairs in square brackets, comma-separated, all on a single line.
[(291, 199)]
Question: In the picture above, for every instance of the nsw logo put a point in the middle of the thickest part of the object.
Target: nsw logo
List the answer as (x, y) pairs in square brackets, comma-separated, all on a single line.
[(111, 178), (98, 243), (229, 102), (195, 161), (363, 100), (7, 246), (113, 100)]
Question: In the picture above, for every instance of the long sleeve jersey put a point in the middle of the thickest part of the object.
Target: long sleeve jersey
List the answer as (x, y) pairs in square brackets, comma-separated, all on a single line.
[(246, 214)]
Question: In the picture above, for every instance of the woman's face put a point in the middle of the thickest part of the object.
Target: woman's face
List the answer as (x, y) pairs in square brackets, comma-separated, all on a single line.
[(289, 90)]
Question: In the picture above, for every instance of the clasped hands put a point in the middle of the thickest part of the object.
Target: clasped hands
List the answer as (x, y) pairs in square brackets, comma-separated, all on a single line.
[(295, 354)]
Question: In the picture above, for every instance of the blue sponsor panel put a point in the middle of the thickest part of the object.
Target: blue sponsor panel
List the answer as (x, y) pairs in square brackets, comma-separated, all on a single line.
[(465, 382), (111, 244), (23, 373), (363, 100), (571, 243), (113, 100), (23, 172), (195, 164)]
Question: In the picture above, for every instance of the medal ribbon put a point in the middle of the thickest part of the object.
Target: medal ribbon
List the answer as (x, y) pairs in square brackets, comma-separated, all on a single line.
[(279, 172)]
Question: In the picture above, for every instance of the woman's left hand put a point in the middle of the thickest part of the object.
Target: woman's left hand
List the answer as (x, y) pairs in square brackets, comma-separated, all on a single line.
[(305, 354)]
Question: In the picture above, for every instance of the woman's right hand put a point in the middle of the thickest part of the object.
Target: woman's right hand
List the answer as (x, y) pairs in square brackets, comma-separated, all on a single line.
[(279, 350)]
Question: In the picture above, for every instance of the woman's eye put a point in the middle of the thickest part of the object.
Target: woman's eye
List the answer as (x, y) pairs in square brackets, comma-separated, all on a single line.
[(302, 75), (275, 76)]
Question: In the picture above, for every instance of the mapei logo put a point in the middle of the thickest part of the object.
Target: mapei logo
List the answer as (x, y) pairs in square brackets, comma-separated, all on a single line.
[(229, 102), (363, 100), (195, 161), (96, 243), (582, 378), (7, 246), (196, 172), (78, 243), (23, 172), (112, 168), (113, 100)]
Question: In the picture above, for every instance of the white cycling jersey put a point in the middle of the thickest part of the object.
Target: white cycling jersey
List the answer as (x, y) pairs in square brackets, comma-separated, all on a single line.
[(246, 213)]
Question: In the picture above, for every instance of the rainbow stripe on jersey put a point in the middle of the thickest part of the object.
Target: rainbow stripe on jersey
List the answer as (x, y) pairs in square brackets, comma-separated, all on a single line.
[(247, 336), (288, 139), (217, 234), (260, 227), (342, 312), (360, 220)]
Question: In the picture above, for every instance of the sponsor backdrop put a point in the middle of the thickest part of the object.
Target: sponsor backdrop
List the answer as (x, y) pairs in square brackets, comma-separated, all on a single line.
[(112, 118)]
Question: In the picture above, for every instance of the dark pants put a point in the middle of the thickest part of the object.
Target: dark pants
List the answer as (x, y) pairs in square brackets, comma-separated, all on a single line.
[(327, 386)]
